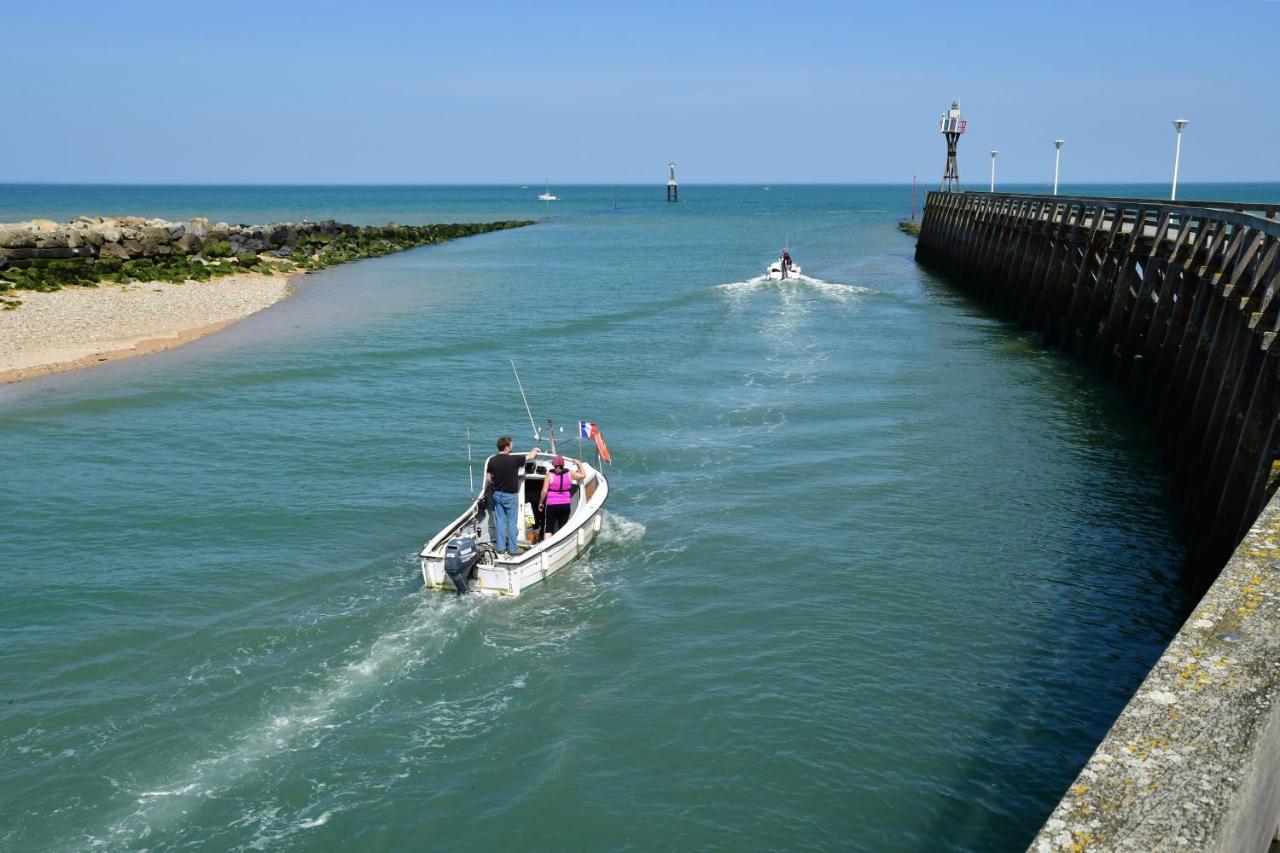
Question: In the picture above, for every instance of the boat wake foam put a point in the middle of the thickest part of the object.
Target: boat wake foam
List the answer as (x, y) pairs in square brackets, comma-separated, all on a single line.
[(616, 530), (416, 637), (419, 636), (838, 292)]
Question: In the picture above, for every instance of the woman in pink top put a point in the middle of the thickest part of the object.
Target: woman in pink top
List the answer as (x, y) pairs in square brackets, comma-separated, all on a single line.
[(557, 492)]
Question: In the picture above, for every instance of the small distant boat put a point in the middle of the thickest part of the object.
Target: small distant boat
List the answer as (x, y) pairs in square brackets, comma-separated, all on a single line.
[(547, 195), (777, 270)]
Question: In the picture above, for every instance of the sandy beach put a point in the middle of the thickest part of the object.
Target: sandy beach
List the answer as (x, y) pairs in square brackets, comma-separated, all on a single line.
[(79, 327)]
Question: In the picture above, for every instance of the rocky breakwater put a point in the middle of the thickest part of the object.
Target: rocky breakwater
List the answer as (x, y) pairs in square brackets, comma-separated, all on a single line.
[(44, 255)]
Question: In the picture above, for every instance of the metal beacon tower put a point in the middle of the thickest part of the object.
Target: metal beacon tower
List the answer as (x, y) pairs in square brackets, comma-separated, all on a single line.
[(952, 126)]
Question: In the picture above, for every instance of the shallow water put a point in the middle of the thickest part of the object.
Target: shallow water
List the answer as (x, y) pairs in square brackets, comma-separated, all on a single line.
[(877, 570)]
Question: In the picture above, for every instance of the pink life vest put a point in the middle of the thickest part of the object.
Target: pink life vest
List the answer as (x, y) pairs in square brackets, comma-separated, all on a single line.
[(559, 492)]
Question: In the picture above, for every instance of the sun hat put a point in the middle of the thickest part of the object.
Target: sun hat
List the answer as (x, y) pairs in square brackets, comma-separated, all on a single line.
[(558, 462)]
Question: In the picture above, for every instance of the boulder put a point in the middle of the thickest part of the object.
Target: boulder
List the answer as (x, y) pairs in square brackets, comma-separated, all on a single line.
[(132, 247), (242, 245), (280, 235), (113, 250), (189, 243), (13, 236), (51, 239)]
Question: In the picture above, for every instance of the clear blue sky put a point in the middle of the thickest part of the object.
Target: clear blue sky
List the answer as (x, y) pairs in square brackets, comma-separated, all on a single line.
[(475, 92)]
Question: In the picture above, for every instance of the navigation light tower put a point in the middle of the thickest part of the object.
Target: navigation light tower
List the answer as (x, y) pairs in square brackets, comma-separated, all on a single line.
[(673, 188), (952, 126)]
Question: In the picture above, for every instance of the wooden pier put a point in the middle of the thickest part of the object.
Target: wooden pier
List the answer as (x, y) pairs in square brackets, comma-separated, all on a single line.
[(1177, 303)]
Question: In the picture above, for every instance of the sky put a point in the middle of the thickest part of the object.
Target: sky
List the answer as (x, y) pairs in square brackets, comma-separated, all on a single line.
[(497, 92)]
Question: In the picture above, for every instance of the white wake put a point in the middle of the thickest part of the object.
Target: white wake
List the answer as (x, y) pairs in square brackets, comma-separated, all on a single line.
[(791, 284)]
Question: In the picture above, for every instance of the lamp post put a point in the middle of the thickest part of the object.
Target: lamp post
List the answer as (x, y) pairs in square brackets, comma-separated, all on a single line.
[(993, 169), (1179, 124), (1057, 159)]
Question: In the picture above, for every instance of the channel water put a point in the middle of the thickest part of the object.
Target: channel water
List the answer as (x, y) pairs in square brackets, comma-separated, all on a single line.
[(877, 571)]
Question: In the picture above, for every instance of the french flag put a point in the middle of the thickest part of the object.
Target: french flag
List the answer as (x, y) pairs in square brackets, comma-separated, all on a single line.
[(587, 429)]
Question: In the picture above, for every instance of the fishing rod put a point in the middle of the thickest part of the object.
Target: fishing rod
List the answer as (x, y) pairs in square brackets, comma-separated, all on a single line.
[(471, 477), (536, 435)]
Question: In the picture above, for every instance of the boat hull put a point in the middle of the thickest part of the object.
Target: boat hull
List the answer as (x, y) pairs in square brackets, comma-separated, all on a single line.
[(774, 272)]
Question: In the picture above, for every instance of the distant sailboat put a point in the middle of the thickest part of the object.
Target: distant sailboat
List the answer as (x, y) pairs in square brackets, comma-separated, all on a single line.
[(547, 196)]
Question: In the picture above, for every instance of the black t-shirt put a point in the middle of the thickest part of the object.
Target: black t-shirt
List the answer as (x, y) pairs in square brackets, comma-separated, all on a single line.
[(505, 468)]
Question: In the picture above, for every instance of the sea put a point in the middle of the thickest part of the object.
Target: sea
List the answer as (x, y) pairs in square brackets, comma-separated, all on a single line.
[(877, 571)]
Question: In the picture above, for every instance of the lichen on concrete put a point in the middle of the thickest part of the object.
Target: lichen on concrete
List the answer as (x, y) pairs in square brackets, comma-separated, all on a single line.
[(1193, 761)]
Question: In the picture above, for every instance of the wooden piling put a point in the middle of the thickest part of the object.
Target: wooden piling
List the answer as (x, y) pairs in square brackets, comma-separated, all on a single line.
[(1179, 304)]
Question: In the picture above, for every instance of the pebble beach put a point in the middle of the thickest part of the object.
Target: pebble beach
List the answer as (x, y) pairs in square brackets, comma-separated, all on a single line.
[(81, 326)]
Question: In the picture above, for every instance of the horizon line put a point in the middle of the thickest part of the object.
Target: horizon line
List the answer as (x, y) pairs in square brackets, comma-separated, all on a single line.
[(655, 183)]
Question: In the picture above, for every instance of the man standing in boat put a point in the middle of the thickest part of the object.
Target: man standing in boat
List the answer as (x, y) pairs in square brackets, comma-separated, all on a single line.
[(786, 263), (503, 472)]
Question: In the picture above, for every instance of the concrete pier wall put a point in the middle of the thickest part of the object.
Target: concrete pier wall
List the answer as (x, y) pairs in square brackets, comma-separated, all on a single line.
[(1180, 305), (1193, 761)]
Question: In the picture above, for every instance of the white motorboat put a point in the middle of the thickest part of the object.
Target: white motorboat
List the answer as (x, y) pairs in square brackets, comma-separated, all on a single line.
[(466, 545), (547, 195), (776, 271)]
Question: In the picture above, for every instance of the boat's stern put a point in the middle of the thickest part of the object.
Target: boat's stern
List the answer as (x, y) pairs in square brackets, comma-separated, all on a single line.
[(488, 578), (433, 571)]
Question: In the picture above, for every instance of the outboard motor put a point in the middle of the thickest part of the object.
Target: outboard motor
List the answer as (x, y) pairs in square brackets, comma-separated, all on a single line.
[(460, 558)]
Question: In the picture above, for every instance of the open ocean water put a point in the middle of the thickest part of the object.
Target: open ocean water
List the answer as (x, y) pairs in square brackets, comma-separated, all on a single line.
[(878, 570)]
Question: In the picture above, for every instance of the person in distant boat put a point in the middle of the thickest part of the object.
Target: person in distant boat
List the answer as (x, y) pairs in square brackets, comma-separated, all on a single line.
[(503, 471), (786, 263), (557, 492)]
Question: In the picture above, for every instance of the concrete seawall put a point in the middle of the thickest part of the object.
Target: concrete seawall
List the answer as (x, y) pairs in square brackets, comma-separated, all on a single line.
[(1178, 304), (1193, 761)]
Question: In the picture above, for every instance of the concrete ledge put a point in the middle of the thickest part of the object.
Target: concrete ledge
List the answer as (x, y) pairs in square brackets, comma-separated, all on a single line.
[(1193, 762)]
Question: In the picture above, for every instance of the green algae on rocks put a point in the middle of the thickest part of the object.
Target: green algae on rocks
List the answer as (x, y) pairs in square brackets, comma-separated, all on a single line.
[(43, 255)]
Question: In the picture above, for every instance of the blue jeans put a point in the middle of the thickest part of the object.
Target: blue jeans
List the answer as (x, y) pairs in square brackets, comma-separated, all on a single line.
[(507, 521)]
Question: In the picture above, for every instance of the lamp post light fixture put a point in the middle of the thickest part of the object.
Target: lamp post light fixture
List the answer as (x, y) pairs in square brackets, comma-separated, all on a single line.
[(993, 169), (1057, 159), (1179, 124)]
